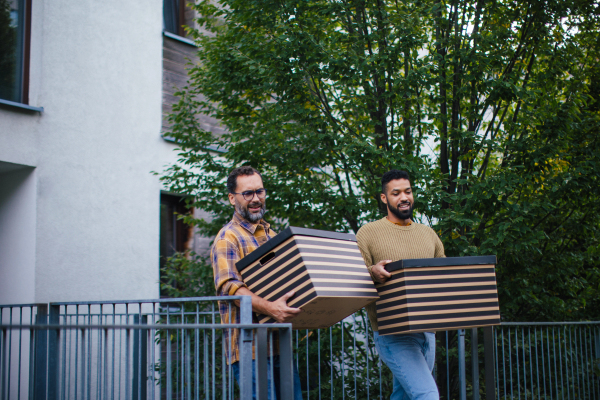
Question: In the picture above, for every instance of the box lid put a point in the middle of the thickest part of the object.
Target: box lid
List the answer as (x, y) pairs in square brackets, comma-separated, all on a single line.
[(285, 235), (440, 262)]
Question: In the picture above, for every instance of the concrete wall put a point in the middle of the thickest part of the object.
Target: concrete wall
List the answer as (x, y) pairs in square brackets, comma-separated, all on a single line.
[(17, 233), (96, 68)]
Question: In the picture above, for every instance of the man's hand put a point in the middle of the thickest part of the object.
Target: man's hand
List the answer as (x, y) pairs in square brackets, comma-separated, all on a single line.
[(277, 309), (280, 311), (379, 272)]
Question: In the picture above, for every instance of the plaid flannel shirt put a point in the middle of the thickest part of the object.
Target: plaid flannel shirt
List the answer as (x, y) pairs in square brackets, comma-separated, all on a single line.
[(235, 241)]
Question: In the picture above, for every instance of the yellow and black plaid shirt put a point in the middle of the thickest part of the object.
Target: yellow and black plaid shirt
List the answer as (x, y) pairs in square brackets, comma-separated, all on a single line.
[(235, 241)]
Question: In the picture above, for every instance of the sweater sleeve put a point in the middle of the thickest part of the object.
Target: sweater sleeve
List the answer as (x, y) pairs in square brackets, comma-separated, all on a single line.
[(439, 246), (363, 246)]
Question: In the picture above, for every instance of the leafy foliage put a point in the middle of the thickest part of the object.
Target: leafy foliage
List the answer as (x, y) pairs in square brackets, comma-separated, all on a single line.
[(492, 106), (187, 275)]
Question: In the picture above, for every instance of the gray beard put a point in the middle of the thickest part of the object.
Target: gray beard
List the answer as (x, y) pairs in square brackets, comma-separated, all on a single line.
[(247, 215)]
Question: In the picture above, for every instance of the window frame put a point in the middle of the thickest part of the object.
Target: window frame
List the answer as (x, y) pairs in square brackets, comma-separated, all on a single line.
[(23, 60)]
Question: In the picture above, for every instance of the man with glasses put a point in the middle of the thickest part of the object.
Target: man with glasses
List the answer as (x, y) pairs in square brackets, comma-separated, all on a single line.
[(246, 231)]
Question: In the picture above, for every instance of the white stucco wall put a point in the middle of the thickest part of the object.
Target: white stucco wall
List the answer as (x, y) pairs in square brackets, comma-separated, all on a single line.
[(96, 68), (17, 233)]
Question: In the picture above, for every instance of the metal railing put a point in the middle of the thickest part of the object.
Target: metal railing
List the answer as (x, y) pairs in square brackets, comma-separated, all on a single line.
[(510, 361), (173, 348), (547, 360)]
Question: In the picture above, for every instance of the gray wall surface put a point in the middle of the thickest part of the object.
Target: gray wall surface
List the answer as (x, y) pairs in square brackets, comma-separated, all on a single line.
[(96, 68)]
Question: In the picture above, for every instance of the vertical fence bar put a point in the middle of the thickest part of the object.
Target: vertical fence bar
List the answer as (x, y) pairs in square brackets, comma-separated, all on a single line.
[(319, 360), (462, 381), (53, 356), (41, 354), (343, 363), (447, 369), (31, 386), (597, 338), (530, 363), (488, 360), (475, 363), (537, 366), (4, 349), (262, 382), (9, 353), (354, 351), (188, 364), (140, 359), (307, 367), (245, 347), (331, 359), (518, 366), (496, 357), (286, 360)]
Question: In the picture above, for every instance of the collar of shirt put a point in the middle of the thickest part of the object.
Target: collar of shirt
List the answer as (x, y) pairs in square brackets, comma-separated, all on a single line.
[(249, 226), (398, 223)]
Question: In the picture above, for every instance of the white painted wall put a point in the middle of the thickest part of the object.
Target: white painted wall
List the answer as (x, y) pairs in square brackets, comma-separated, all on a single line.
[(17, 233), (96, 68)]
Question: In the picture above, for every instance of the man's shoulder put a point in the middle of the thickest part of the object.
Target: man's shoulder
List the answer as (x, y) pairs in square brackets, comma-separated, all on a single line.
[(425, 228), (228, 232), (421, 226), (369, 228)]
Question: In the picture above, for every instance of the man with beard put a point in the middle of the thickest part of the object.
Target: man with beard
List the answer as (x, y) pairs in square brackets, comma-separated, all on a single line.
[(246, 231), (409, 356)]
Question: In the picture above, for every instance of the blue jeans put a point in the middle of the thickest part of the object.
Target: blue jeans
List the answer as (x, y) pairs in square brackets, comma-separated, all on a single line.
[(410, 357), (272, 396)]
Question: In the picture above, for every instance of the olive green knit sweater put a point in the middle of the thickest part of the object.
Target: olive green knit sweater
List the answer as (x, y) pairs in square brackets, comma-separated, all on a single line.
[(384, 240)]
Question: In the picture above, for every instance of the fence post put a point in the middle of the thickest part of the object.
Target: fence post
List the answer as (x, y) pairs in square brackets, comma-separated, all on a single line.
[(286, 375), (261, 364), (245, 346), (53, 334), (140, 359), (475, 363), (488, 361), (4, 367), (41, 354), (462, 381), (597, 337)]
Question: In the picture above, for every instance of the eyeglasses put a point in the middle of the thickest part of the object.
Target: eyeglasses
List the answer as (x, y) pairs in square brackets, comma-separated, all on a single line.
[(249, 194)]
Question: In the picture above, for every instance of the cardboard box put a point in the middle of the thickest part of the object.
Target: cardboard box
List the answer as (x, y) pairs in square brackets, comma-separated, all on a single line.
[(438, 294), (325, 269)]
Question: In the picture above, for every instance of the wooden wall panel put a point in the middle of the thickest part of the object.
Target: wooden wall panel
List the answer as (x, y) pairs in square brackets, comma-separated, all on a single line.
[(177, 56)]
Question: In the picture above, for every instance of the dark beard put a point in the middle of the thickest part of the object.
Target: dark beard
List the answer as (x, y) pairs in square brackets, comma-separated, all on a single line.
[(247, 215), (400, 214)]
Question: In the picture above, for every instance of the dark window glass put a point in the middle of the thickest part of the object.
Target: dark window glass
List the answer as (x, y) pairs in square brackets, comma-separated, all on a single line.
[(174, 15), (13, 51), (174, 233)]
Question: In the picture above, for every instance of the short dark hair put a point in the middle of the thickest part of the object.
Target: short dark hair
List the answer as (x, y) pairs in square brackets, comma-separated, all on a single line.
[(239, 171), (391, 175)]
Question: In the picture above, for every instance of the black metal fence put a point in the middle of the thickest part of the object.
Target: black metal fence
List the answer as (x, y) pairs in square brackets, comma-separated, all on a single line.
[(171, 349), (547, 360), (174, 349)]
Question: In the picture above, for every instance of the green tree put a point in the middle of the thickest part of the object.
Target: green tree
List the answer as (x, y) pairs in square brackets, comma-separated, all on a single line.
[(492, 106)]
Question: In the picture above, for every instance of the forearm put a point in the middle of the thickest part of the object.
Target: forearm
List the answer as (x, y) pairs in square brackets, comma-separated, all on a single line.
[(259, 305)]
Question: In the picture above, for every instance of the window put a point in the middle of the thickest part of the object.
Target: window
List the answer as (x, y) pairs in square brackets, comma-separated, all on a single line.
[(15, 22), (175, 235), (176, 15)]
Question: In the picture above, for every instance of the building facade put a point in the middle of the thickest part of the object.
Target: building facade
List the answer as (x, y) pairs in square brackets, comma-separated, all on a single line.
[(81, 131)]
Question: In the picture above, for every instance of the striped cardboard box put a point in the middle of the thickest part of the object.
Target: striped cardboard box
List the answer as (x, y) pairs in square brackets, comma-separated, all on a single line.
[(438, 294), (325, 269)]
